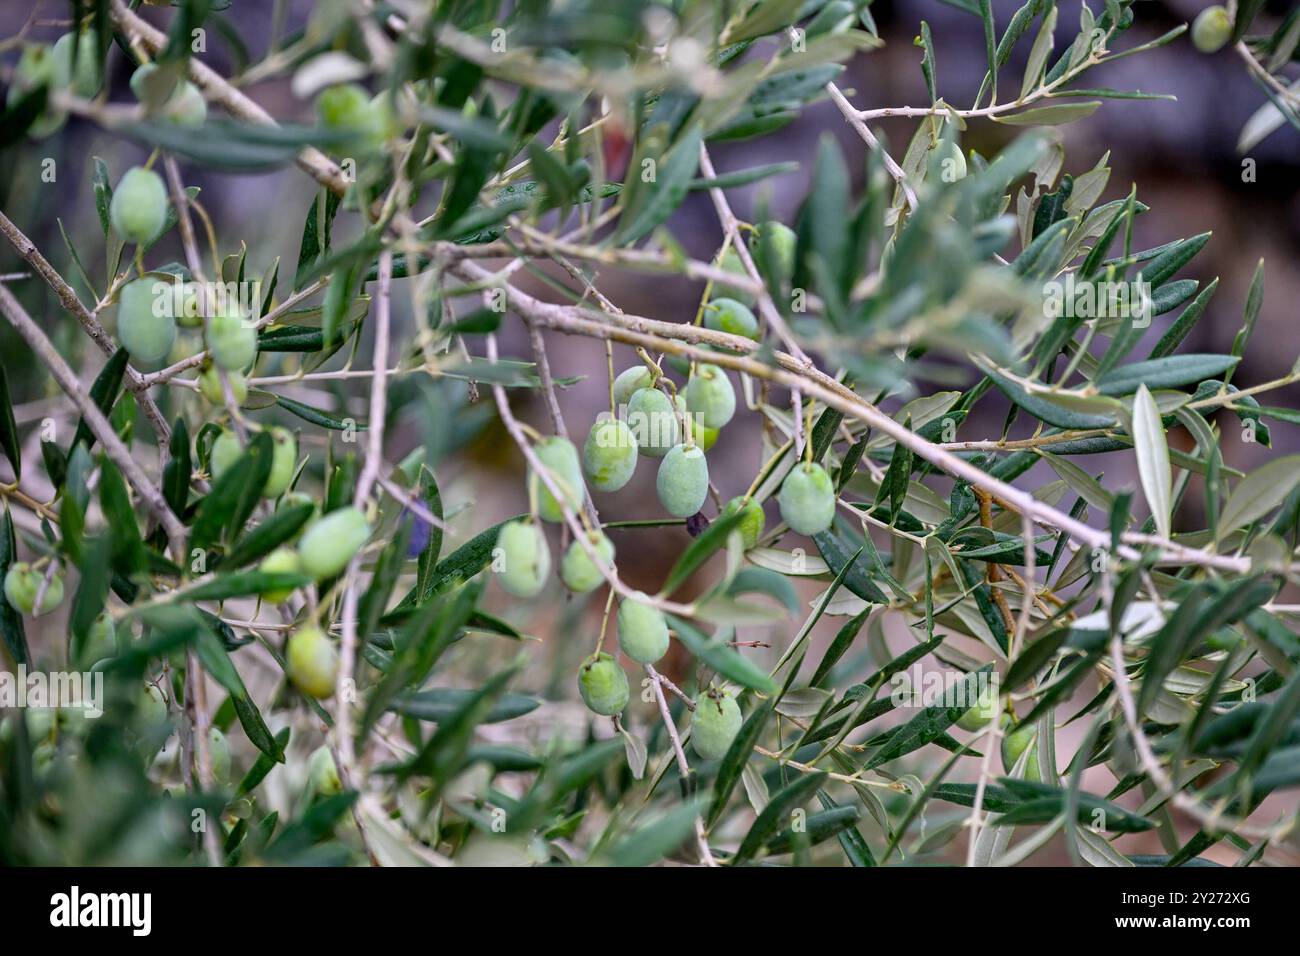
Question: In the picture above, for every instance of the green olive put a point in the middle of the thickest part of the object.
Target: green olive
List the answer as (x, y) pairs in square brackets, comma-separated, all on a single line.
[(346, 107), (609, 455), (37, 67), (312, 662), (630, 381), (783, 242), (710, 395), (284, 461), (523, 558), (138, 210), (807, 499), (146, 327), (82, 77), (100, 643), (652, 418), (730, 262), (642, 630), (187, 107), (578, 572), (1212, 29), (1016, 743), (226, 450), (751, 525), (332, 541), (715, 723), (603, 685), (280, 561), (22, 585), (232, 339), (560, 458), (152, 706), (210, 386), (153, 85), (729, 315), (324, 773), (984, 711), (218, 754), (683, 481)]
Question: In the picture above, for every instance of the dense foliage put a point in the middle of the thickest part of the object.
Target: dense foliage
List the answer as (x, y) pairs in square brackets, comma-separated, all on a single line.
[(299, 649)]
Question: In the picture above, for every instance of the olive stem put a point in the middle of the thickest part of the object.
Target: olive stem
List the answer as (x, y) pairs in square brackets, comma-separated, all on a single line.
[(684, 768)]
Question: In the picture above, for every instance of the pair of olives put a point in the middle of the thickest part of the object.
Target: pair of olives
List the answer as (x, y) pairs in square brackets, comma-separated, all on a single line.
[(715, 721), (59, 67), (323, 551)]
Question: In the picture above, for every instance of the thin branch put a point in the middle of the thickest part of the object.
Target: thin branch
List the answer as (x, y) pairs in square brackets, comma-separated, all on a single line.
[(68, 297), (99, 425), (683, 339), (701, 840)]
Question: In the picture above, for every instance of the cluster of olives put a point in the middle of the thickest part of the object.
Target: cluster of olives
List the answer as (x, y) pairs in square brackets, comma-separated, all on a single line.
[(168, 98), (58, 68)]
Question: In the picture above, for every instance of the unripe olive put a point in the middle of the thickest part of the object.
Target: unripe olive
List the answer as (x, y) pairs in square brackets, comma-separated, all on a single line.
[(642, 630), (152, 85), (731, 263), (280, 561), (784, 242), (695, 432), (231, 339), (218, 754), (82, 76), (22, 585), (312, 662), (1212, 29), (603, 685), (332, 541), (807, 499), (984, 711), (710, 395), (37, 67), (284, 459), (189, 315), (152, 706), (729, 315), (683, 481), (187, 107), (752, 522), (1015, 743), (385, 118), (654, 421), (100, 643), (139, 207), (324, 773), (609, 454), (225, 452), (146, 327), (561, 460), (630, 381), (715, 723), (524, 558), (346, 106), (343, 106), (578, 572), (210, 386)]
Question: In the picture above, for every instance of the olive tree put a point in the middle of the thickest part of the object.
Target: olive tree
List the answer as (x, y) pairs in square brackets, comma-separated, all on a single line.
[(907, 633)]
